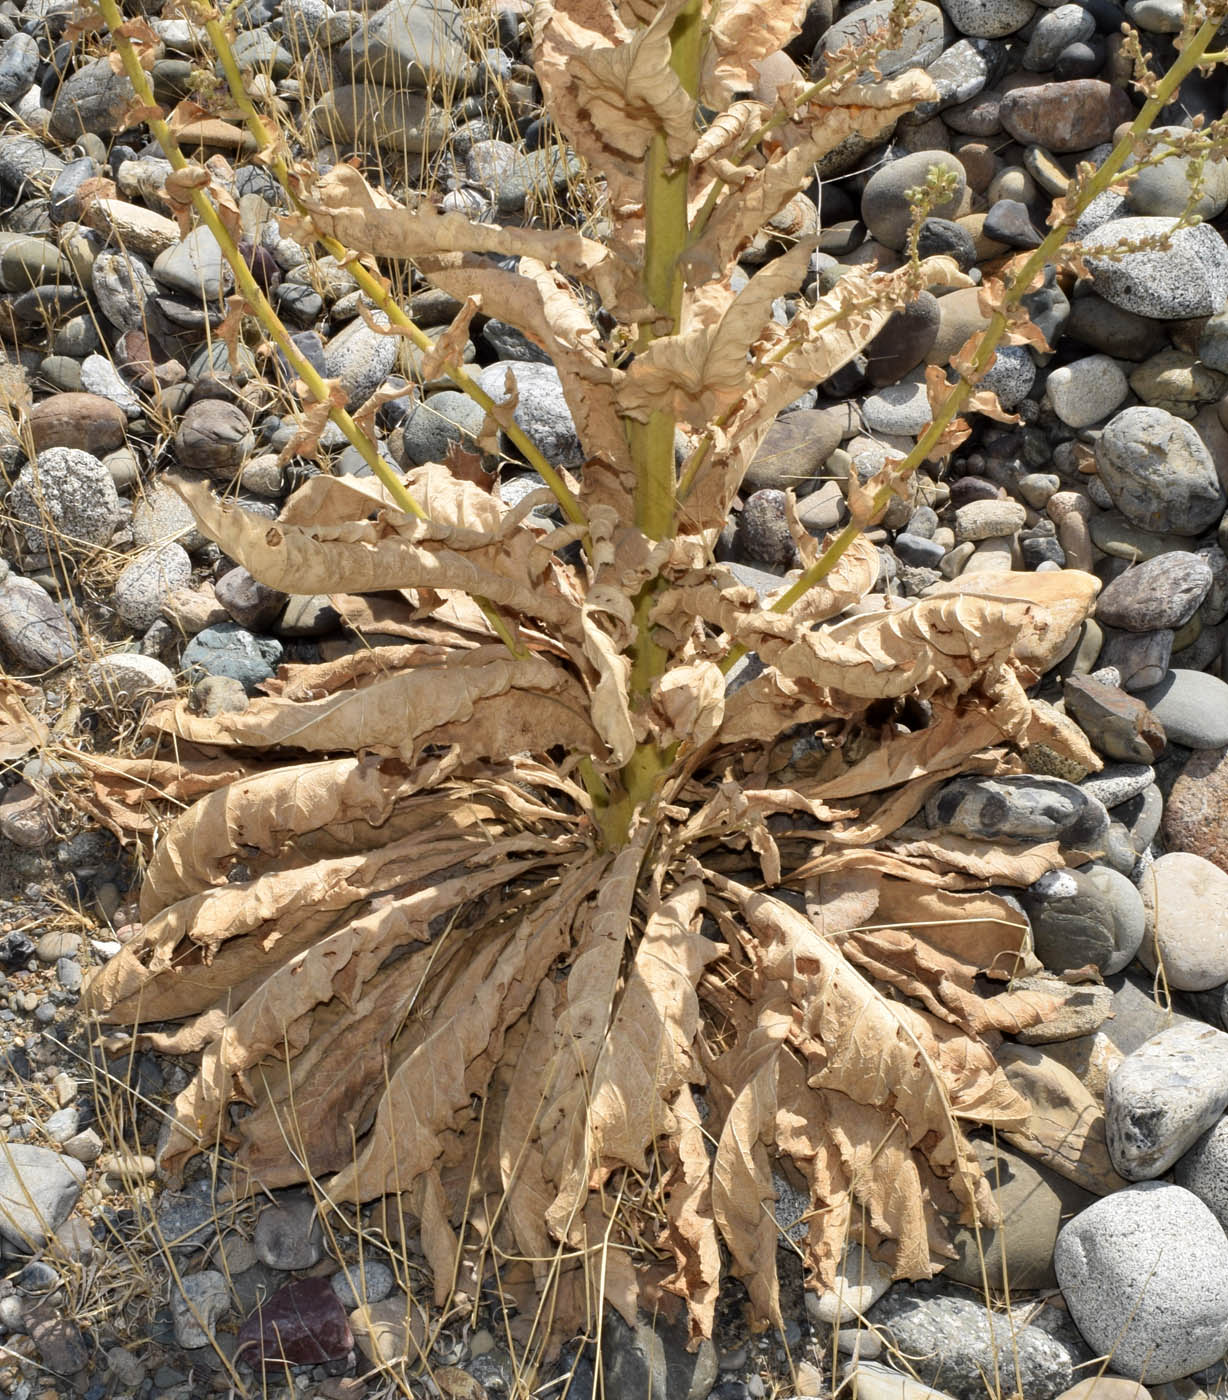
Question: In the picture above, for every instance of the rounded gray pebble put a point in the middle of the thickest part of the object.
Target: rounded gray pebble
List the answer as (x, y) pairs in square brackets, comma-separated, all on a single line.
[(1144, 1273)]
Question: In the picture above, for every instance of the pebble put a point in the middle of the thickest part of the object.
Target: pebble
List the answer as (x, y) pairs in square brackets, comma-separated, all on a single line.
[(369, 1282), (1159, 473), (955, 1341), (1084, 916), (289, 1235), (38, 1189), (1164, 591), (1187, 906), (125, 679), (1065, 117), (1118, 782), (987, 520), (1189, 278), (197, 1306), (65, 501), (542, 410), (1087, 390), (86, 421), (1144, 1273), (360, 358), (900, 410), (988, 19), (1192, 706), (226, 649), (793, 451), (1026, 808), (195, 265), (146, 582), (1197, 807), (1163, 1096), (34, 628), (860, 1282), (885, 209), (161, 516)]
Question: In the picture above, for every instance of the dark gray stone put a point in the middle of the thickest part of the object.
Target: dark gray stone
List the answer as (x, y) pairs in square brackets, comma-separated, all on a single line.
[(1026, 807), (226, 649), (650, 1361), (34, 628)]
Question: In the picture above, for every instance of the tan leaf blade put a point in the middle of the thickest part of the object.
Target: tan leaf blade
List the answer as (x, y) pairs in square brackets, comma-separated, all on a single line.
[(488, 703), (648, 1057), (392, 551), (742, 1191)]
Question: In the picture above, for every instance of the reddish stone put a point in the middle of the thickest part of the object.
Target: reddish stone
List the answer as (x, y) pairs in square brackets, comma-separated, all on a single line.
[(1065, 117), (86, 421), (1196, 813)]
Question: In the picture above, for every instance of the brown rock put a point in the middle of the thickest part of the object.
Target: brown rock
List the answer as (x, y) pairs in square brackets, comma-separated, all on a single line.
[(1063, 117), (191, 610), (794, 449), (1118, 725), (214, 437), (85, 421), (1196, 814), (26, 818)]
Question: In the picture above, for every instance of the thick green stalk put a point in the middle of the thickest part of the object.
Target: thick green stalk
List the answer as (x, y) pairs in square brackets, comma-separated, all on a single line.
[(652, 443), (373, 287)]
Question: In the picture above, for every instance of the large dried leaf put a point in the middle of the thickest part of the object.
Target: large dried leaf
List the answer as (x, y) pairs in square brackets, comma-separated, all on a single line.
[(647, 1058), (741, 34), (864, 111), (275, 1021), (610, 88), (20, 730), (485, 701), (692, 1232), (268, 813), (394, 550), (742, 1190), (343, 206), (886, 1066), (701, 371), (580, 1034), (459, 1047)]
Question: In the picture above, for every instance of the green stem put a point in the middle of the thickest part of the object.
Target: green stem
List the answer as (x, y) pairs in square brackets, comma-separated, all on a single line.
[(651, 444), (374, 288), (244, 280), (1188, 59)]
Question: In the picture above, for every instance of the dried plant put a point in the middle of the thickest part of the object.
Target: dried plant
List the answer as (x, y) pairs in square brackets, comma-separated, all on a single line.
[(559, 900)]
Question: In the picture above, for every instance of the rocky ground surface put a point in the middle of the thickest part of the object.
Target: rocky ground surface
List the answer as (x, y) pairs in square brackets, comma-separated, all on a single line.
[(109, 595)]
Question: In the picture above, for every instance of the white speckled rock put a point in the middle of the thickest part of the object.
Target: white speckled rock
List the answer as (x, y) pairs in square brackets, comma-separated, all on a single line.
[(988, 19), (71, 494), (1204, 1170), (1164, 1096), (126, 678), (1187, 904), (1190, 278), (1144, 1273), (901, 410), (147, 581), (1084, 392)]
